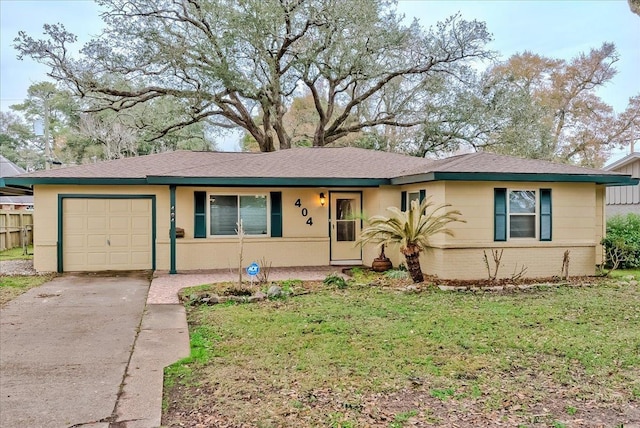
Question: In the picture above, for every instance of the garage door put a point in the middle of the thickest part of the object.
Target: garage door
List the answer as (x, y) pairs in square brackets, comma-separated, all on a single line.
[(106, 234)]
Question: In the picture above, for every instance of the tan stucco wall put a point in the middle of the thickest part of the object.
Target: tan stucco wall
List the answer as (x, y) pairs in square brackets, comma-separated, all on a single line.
[(578, 226), (45, 241), (577, 211), (301, 244)]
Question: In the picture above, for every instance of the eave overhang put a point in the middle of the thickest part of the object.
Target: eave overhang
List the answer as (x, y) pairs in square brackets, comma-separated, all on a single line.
[(10, 189), (606, 179)]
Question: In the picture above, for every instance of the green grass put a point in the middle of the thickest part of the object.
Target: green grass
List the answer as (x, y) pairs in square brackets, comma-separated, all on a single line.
[(13, 286), (16, 254), (328, 350)]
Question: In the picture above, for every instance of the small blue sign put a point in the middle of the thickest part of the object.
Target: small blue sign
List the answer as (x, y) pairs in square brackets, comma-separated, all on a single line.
[(253, 269)]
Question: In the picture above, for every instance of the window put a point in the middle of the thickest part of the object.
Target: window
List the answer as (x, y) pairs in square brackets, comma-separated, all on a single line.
[(522, 214), (412, 196), (407, 197), (226, 211)]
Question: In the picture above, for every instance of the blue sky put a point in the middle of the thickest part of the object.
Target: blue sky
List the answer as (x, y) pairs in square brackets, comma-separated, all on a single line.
[(554, 28)]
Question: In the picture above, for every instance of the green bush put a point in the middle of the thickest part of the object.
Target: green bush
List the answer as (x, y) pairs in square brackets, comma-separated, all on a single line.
[(335, 280), (622, 243)]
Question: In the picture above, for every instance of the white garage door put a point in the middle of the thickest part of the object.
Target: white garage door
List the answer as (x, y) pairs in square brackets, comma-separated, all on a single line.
[(106, 234)]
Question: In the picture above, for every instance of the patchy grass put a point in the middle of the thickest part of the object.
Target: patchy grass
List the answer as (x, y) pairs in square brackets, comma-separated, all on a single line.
[(13, 286), (16, 254), (373, 356)]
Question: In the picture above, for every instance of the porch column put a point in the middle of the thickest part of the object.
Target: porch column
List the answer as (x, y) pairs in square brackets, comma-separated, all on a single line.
[(172, 229)]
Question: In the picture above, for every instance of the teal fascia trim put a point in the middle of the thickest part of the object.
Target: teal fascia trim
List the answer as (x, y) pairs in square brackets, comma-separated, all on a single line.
[(269, 182), (62, 197), (73, 180), (11, 189), (172, 230), (612, 180)]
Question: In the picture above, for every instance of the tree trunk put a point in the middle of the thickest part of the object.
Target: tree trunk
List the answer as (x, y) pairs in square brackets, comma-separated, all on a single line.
[(413, 265)]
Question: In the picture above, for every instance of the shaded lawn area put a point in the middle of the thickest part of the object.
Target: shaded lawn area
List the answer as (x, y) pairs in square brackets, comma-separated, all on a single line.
[(381, 357)]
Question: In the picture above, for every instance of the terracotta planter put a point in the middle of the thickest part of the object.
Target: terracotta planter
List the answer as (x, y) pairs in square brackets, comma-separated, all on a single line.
[(381, 265)]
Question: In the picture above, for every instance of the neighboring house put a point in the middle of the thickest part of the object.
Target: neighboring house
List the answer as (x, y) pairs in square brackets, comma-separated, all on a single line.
[(16, 202), (10, 169), (624, 199), (298, 208)]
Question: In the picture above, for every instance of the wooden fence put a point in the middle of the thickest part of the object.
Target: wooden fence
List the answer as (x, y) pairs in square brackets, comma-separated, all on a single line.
[(16, 229)]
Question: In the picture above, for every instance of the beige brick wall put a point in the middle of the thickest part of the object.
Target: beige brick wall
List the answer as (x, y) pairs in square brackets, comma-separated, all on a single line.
[(541, 262)]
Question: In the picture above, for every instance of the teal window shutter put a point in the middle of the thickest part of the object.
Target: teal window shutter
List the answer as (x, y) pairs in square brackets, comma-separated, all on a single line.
[(276, 214), (200, 210), (545, 214), (500, 215), (423, 194), (403, 201)]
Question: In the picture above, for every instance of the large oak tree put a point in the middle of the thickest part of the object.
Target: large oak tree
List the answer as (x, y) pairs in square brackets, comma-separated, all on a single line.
[(230, 62)]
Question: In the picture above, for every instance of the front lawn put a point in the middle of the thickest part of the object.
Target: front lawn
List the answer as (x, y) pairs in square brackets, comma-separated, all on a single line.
[(383, 357)]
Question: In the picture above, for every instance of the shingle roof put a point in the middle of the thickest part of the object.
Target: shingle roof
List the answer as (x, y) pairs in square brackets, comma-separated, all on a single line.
[(8, 168), (483, 162), (343, 162), (623, 162), (311, 163)]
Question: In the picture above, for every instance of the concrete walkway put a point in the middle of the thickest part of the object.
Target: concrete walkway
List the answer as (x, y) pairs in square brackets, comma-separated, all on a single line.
[(89, 350), (82, 351)]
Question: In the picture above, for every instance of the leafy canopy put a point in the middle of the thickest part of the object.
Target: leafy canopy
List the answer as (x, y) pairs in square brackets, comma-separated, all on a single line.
[(230, 62)]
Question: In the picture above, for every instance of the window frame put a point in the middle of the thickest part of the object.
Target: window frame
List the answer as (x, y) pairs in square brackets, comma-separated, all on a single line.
[(267, 197), (535, 214)]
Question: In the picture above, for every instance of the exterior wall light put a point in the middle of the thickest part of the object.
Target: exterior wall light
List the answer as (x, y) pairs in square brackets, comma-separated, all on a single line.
[(322, 200)]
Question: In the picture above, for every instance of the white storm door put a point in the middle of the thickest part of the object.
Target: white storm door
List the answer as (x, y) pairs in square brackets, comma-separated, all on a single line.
[(345, 226)]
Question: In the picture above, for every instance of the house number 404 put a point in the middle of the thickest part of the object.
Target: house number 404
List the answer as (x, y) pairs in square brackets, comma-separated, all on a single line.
[(304, 212)]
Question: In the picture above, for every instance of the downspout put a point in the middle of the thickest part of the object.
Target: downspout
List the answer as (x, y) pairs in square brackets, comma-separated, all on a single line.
[(172, 229)]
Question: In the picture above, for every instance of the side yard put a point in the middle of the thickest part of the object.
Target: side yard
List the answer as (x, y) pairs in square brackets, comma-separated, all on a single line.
[(17, 275), (380, 354)]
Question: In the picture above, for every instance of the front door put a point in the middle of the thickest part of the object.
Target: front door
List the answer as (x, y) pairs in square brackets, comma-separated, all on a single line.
[(345, 225)]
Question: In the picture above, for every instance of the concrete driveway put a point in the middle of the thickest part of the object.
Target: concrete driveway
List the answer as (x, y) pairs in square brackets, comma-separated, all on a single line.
[(67, 353)]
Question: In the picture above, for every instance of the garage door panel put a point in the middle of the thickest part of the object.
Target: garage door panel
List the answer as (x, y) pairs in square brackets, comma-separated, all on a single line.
[(96, 241), (93, 205), (119, 241), (96, 259), (118, 223), (120, 206), (77, 259), (140, 206), (107, 234), (140, 258), (96, 223), (138, 241), (141, 223), (76, 241)]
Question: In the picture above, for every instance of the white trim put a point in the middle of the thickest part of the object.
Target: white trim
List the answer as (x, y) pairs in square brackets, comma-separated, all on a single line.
[(535, 214)]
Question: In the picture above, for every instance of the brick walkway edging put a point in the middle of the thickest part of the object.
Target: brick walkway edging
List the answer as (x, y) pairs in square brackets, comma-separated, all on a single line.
[(165, 287)]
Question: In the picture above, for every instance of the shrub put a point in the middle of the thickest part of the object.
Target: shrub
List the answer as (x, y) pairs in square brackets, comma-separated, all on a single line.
[(336, 280), (622, 243)]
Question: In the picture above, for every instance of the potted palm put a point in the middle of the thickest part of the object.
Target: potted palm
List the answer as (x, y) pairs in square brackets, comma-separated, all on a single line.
[(411, 229)]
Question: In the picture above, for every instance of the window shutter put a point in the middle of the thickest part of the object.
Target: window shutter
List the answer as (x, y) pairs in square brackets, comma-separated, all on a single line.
[(276, 214), (500, 215), (423, 194), (200, 210), (403, 201), (545, 214)]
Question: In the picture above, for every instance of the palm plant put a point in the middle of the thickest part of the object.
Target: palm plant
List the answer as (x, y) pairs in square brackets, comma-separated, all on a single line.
[(412, 229)]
